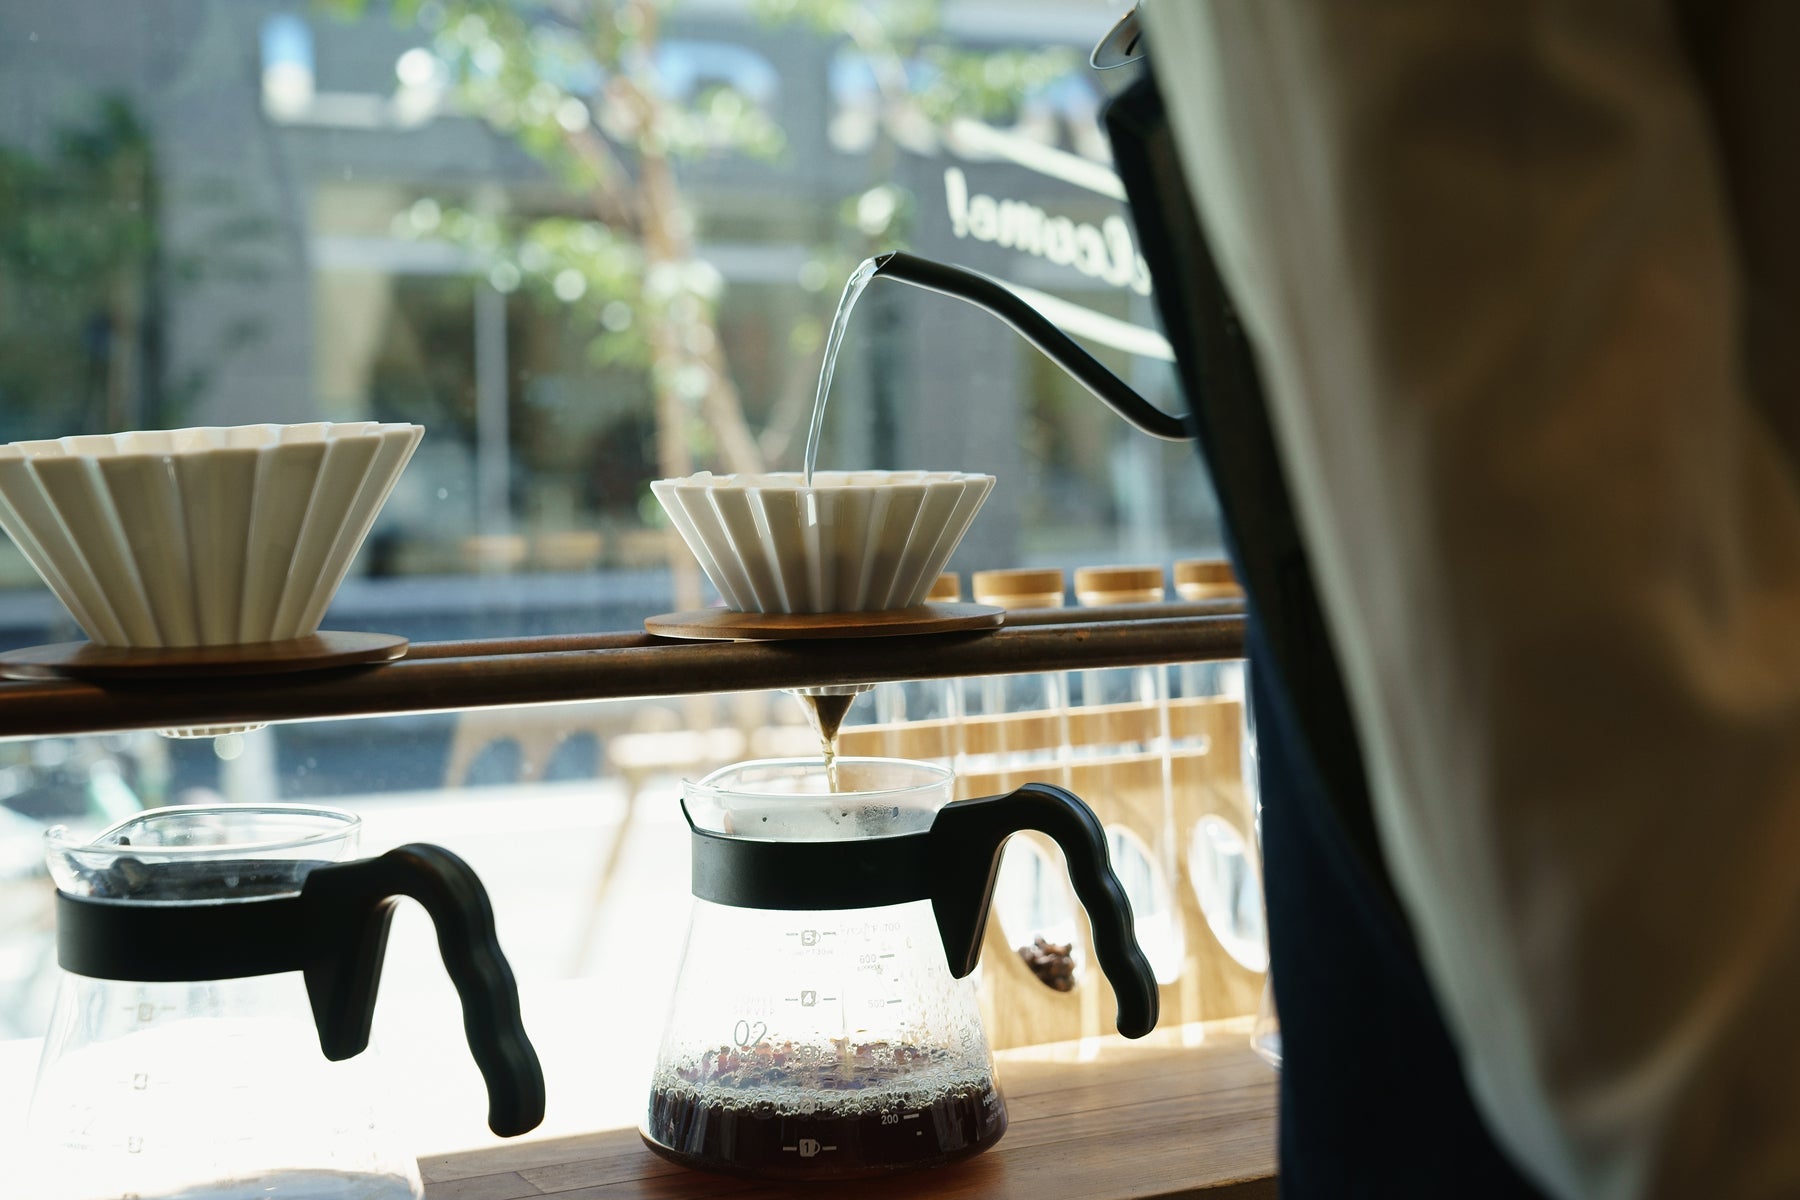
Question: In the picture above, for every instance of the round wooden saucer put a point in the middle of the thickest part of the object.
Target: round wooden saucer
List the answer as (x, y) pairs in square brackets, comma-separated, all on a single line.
[(723, 624), (317, 652)]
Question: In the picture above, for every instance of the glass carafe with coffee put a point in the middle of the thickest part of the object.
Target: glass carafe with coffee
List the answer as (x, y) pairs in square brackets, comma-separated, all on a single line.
[(825, 1024), (221, 965)]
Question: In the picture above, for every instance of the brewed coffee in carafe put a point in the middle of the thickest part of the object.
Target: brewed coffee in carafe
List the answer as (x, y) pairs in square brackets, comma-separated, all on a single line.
[(825, 1024)]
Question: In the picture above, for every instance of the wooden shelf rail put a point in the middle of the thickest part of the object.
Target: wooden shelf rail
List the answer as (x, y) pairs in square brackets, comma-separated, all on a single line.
[(450, 676)]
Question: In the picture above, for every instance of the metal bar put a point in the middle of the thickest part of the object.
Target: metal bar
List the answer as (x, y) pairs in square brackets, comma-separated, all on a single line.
[(622, 666), (556, 643), (551, 643), (493, 503), (1100, 614)]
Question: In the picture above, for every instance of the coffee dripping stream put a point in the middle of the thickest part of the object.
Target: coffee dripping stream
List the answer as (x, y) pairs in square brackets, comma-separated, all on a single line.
[(826, 707)]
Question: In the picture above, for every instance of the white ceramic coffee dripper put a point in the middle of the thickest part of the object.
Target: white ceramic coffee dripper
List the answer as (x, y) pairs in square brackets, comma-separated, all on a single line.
[(852, 541), (200, 537)]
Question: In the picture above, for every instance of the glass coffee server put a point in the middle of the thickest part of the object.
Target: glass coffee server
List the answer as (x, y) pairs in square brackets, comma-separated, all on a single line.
[(221, 964)]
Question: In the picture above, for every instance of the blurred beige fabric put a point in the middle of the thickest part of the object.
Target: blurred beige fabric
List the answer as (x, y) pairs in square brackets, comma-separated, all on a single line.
[(1527, 307)]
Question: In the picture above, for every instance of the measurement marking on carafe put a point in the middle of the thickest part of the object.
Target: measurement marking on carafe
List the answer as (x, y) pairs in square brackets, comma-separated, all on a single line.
[(909, 1116), (807, 1147)]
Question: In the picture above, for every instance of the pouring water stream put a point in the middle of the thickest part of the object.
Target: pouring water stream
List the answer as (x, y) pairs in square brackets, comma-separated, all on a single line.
[(859, 280)]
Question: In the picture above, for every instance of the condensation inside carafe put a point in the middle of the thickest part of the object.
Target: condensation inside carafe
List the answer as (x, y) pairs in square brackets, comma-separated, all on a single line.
[(800, 800)]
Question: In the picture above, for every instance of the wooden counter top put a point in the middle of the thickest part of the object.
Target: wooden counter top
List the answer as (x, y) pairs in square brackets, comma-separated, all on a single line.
[(1132, 1121)]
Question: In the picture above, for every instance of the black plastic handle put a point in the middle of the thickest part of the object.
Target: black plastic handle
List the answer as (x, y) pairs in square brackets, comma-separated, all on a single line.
[(983, 292), (352, 907), (966, 839)]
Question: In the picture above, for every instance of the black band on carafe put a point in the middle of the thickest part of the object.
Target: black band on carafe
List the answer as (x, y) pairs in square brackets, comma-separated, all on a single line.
[(150, 942), (748, 872)]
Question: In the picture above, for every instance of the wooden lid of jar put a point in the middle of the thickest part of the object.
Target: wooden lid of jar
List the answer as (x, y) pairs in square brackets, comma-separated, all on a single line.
[(947, 587), (1206, 579), (1118, 585), (1019, 588)]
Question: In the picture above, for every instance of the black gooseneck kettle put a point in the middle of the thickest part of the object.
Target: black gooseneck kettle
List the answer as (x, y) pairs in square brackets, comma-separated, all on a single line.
[(986, 293)]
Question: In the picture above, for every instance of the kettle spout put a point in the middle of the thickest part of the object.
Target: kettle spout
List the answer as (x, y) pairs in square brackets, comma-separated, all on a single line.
[(984, 292)]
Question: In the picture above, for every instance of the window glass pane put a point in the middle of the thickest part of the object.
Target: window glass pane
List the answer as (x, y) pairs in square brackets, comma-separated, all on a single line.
[(585, 246)]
